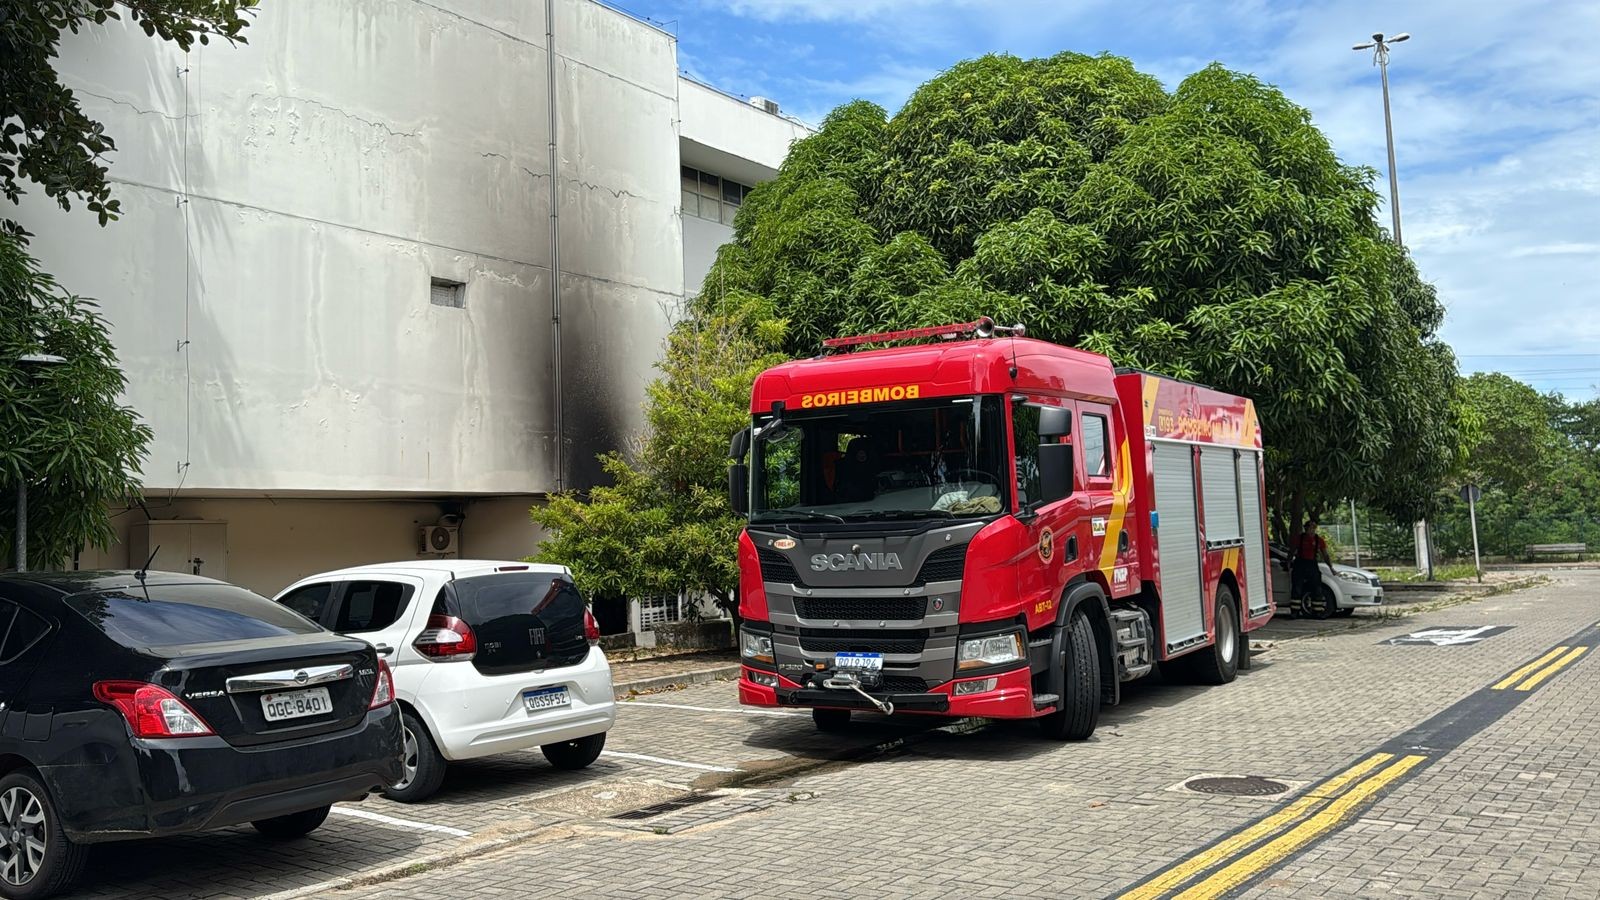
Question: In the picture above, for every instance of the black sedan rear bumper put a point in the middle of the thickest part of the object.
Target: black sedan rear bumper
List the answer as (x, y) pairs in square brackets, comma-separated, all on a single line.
[(153, 788)]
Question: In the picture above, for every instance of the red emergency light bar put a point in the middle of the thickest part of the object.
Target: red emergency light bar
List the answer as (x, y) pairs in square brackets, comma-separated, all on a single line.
[(983, 327)]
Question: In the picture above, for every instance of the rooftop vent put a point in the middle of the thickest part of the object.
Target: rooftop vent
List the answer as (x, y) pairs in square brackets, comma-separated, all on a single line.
[(764, 104)]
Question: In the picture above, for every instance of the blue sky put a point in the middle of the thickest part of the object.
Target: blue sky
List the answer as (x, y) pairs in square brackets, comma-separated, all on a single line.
[(1497, 119)]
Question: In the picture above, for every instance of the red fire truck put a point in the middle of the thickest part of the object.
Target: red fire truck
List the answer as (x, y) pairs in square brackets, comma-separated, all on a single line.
[(975, 523)]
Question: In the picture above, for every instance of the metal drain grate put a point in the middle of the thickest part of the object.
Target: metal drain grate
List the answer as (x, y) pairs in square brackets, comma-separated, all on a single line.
[(661, 809), (1246, 786)]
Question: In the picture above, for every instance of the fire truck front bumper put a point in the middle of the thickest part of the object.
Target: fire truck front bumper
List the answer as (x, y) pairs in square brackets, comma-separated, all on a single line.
[(1004, 695)]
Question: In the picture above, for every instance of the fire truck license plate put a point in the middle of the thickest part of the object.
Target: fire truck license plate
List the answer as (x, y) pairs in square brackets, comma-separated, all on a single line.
[(865, 662)]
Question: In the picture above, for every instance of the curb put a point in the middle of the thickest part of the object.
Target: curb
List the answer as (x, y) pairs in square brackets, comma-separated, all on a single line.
[(696, 676), (1391, 614), (408, 867)]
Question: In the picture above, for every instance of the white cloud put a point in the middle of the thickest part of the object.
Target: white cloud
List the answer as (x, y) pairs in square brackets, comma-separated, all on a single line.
[(1561, 249), (838, 10)]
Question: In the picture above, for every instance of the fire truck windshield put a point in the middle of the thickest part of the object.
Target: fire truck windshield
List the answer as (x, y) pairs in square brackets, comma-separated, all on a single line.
[(941, 458)]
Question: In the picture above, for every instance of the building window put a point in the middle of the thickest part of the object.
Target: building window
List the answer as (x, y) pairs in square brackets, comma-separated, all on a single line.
[(713, 197), (444, 292)]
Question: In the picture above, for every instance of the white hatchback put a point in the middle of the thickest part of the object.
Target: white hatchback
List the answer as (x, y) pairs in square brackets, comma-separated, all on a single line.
[(488, 657)]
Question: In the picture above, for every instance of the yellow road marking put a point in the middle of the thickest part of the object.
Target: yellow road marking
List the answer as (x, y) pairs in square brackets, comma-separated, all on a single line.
[(1277, 850), (1552, 669), (1290, 814), (1526, 670)]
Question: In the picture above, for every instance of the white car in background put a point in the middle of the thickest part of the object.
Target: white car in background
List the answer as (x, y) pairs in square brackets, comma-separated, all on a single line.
[(488, 657), (1345, 589)]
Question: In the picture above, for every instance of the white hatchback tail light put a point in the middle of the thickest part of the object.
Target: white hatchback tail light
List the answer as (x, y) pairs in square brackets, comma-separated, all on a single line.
[(383, 690), (446, 639)]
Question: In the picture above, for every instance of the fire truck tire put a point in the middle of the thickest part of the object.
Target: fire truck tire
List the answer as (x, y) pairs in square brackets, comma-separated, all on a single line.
[(831, 720), (1219, 663), (1079, 712)]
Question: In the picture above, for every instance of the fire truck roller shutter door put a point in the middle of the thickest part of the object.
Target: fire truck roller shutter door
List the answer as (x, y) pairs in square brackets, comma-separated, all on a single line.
[(1257, 592), (1182, 595)]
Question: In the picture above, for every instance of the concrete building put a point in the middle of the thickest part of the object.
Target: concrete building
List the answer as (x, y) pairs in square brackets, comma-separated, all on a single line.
[(331, 286)]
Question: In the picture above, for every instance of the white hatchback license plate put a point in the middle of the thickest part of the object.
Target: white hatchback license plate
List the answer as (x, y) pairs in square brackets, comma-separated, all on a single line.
[(867, 662), (296, 704), (546, 698)]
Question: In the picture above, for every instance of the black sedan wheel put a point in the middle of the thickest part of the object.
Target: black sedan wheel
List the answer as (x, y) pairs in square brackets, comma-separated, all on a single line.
[(36, 859)]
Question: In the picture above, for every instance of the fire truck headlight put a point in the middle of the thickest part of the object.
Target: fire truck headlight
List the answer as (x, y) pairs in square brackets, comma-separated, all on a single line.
[(757, 647), (993, 650)]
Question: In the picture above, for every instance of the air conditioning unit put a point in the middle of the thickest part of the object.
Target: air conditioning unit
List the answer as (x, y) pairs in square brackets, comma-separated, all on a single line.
[(762, 103), (440, 539)]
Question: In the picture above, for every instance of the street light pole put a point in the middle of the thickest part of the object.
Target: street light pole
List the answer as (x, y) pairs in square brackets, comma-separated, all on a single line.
[(1380, 57), (1379, 45), (41, 359)]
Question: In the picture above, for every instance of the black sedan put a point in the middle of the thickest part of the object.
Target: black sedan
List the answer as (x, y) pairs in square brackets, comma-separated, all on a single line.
[(145, 705)]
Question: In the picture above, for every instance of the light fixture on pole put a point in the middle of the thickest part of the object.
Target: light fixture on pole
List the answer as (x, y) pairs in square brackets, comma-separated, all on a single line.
[(36, 359)]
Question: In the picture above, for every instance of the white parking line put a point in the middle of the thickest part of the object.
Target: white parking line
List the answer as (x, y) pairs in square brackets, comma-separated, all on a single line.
[(403, 823), (666, 762), (718, 709)]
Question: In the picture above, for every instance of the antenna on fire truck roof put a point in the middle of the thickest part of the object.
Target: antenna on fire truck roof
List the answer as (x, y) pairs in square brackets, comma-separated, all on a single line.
[(983, 327)]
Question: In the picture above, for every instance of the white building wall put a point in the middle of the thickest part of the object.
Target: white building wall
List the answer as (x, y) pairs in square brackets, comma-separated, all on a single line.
[(348, 152), (732, 127), (729, 137), (702, 238), (286, 203), (270, 544)]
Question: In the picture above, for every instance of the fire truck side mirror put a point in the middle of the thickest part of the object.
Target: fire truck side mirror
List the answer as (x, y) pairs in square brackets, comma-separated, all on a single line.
[(1054, 422), (739, 444), (1055, 472), (739, 488)]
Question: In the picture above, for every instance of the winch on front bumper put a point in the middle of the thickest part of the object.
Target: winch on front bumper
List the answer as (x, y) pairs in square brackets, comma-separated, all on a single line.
[(994, 695), (859, 689)]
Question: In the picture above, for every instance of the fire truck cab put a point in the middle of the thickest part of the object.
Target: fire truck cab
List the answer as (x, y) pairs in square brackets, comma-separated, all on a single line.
[(988, 525)]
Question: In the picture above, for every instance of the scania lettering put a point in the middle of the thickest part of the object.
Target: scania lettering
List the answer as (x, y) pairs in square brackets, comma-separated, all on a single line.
[(840, 562), (963, 521)]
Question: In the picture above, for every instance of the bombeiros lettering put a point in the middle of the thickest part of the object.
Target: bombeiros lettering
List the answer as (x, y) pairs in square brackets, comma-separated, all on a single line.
[(852, 396)]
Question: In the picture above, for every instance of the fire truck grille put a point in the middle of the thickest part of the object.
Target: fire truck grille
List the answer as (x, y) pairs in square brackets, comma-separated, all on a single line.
[(879, 608), (776, 567), (943, 565), (834, 640), (903, 684)]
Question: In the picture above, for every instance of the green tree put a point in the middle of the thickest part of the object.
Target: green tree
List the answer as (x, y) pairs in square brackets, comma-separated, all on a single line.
[(1209, 233), (663, 526), (62, 431), (1518, 444), (45, 136), (1535, 457)]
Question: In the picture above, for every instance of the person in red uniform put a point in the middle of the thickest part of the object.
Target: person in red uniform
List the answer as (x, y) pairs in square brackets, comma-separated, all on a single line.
[(1308, 548)]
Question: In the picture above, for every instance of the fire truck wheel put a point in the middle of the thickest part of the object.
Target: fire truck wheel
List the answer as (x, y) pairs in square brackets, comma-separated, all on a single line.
[(1079, 711), (831, 720), (1219, 663)]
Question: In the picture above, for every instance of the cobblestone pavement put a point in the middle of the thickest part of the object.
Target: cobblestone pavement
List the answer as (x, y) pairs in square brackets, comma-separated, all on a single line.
[(643, 669), (909, 809)]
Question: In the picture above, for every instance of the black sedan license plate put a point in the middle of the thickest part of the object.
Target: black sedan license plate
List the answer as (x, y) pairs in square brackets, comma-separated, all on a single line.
[(296, 704)]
